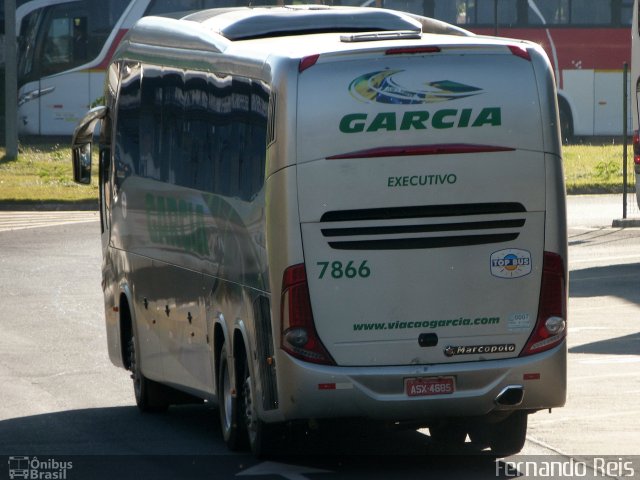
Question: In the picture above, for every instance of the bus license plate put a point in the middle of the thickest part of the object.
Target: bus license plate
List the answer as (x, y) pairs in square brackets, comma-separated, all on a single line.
[(423, 387)]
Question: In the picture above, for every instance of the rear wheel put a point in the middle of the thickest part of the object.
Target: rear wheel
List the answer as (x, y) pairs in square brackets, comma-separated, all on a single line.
[(448, 437), (149, 395), (566, 121), (230, 419), (480, 437), (508, 436)]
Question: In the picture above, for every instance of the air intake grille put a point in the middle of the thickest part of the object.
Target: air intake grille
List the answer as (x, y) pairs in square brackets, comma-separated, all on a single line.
[(402, 228)]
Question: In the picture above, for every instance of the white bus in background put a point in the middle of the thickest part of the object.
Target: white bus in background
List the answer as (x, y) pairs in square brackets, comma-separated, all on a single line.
[(64, 47)]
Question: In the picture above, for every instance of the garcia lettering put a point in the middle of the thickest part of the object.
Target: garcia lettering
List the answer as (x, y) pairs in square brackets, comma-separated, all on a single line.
[(420, 120)]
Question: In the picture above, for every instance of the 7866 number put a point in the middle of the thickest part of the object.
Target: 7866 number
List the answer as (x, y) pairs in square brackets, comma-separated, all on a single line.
[(338, 269)]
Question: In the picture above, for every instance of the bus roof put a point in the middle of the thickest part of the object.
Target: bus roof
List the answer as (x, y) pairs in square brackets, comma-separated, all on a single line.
[(261, 31)]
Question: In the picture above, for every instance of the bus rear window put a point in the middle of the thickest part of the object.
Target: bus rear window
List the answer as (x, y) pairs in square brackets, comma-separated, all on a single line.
[(526, 12)]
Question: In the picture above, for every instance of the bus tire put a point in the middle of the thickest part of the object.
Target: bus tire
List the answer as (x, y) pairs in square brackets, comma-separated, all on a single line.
[(230, 420), (260, 435), (150, 396), (479, 436), (566, 121), (507, 437), (448, 437)]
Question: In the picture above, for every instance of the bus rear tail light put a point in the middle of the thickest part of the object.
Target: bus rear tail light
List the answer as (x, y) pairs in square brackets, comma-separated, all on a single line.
[(551, 325), (412, 50), (520, 51), (308, 62), (636, 150), (299, 337)]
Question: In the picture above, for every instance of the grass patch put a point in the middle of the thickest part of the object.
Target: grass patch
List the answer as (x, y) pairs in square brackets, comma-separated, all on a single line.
[(597, 168), (43, 174)]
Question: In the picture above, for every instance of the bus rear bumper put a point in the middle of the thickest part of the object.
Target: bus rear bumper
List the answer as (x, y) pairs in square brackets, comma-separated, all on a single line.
[(308, 391)]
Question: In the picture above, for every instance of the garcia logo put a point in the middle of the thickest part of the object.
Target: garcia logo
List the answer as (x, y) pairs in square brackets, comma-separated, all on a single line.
[(452, 351), (510, 263), (382, 86)]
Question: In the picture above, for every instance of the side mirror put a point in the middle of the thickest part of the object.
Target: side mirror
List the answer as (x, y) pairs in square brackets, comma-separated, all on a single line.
[(82, 163), (81, 144)]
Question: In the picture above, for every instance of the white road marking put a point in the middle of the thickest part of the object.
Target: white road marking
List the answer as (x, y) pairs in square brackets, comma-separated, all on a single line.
[(580, 417), (23, 220), (610, 360)]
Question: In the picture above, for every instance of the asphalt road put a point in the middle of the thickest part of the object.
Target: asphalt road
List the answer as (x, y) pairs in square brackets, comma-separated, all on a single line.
[(61, 399)]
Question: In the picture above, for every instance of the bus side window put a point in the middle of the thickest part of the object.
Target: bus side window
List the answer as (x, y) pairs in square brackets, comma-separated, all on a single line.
[(590, 13), (150, 123), (75, 35), (476, 12), (27, 64), (102, 18), (127, 134), (549, 12), (64, 42), (444, 10), (624, 12), (105, 174), (159, 7), (193, 129), (411, 6)]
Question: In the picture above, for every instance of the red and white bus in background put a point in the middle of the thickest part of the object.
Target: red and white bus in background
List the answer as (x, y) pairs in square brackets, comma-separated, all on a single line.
[(586, 40), (64, 47)]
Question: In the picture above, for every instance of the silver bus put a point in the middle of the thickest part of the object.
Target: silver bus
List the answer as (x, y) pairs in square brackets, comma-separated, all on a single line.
[(331, 212)]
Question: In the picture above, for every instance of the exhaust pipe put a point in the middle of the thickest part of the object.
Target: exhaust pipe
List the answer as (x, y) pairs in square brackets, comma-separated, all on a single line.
[(510, 396)]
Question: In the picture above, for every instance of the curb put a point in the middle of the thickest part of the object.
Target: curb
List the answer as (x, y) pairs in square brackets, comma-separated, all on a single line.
[(626, 223)]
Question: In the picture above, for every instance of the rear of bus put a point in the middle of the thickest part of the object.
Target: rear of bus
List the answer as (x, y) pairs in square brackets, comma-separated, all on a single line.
[(432, 280)]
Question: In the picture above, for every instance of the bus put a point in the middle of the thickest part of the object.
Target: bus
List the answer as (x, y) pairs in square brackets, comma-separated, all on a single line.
[(301, 222), (64, 47), (586, 40)]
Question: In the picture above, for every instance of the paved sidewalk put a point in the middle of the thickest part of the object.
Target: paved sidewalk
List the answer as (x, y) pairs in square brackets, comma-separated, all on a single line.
[(601, 211)]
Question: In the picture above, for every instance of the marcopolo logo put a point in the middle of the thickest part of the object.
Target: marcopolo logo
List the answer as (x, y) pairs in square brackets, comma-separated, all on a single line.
[(452, 351), (510, 263), (384, 86)]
